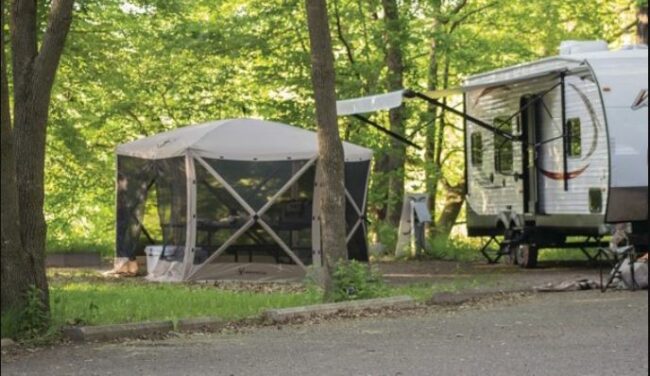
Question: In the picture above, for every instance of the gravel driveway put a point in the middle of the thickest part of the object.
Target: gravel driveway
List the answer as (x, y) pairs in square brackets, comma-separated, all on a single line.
[(577, 333)]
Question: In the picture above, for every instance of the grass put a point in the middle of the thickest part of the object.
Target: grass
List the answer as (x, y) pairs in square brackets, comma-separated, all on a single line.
[(561, 255), (84, 297), (424, 291), (455, 249), (90, 303)]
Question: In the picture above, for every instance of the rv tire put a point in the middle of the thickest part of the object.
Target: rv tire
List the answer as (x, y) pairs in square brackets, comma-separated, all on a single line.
[(527, 255)]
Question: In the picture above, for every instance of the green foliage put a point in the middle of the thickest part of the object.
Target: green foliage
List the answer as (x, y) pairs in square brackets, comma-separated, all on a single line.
[(354, 280), (386, 235), (92, 302), (454, 249), (29, 322), (135, 68), (10, 324)]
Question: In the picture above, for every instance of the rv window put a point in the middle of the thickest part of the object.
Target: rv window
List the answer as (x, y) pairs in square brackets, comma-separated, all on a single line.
[(477, 149), (595, 200), (574, 137), (503, 150)]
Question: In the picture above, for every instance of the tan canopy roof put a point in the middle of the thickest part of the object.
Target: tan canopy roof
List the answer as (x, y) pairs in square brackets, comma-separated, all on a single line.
[(236, 139)]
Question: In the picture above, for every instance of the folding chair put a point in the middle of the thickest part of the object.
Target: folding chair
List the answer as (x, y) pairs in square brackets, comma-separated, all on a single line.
[(626, 252)]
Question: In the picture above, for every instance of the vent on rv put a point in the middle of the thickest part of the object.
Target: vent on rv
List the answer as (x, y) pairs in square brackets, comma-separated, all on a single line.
[(570, 47)]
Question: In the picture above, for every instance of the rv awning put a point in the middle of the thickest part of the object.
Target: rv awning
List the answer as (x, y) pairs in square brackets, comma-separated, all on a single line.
[(382, 102), (507, 79), (357, 106), (371, 103)]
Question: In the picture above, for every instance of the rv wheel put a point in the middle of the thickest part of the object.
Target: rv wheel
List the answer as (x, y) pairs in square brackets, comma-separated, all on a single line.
[(510, 251), (527, 256), (510, 245)]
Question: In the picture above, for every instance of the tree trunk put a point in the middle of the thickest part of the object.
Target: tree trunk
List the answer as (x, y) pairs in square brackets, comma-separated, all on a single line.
[(454, 198), (330, 150), (397, 154), (33, 76), (13, 260), (431, 169), (642, 25)]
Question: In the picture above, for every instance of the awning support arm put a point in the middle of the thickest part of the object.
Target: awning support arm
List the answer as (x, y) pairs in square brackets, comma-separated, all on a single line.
[(387, 131), (565, 132), (537, 98), (479, 122)]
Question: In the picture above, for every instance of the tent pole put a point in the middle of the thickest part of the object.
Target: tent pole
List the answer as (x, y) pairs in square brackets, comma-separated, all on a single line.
[(190, 235), (316, 253), (226, 186), (255, 216), (281, 243), (288, 185), (350, 199), (354, 204), (352, 231), (224, 246)]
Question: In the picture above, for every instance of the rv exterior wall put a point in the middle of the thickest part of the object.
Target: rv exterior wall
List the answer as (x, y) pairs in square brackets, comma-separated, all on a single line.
[(625, 95), (491, 192)]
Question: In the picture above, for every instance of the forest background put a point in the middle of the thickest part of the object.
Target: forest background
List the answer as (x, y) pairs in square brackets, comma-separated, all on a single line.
[(135, 68)]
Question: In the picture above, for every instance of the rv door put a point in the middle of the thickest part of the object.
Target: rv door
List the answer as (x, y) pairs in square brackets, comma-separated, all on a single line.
[(530, 121)]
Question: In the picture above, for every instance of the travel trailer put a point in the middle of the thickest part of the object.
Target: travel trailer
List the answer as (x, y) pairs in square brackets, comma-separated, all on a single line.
[(554, 149)]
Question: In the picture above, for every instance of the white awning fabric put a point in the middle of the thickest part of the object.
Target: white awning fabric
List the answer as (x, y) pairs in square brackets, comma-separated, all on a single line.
[(370, 104), (236, 139), (382, 102)]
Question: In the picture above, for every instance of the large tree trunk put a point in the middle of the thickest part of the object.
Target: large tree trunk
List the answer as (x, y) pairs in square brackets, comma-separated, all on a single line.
[(431, 170), (454, 198), (13, 260), (397, 154), (330, 150), (33, 76), (642, 25)]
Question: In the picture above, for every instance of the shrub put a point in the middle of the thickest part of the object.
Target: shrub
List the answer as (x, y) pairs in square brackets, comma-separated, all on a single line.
[(353, 280), (29, 322), (454, 249)]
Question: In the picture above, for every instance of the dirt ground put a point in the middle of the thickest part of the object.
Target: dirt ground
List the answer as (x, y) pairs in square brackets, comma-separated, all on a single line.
[(495, 276)]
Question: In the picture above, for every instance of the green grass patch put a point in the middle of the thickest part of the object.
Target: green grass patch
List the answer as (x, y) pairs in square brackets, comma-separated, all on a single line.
[(455, 249), (558, 254), (424, 291), (83, 297), (93, 303)]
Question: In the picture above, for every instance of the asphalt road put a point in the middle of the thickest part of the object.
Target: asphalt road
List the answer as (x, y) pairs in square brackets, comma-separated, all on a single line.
[(578, 333)]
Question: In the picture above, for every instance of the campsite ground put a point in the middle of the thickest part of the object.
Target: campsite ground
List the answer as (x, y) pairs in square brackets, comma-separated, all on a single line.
[(559, 333), (574, 333), (489, 277)]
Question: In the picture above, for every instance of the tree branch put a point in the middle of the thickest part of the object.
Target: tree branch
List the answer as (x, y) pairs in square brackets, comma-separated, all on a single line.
[(47, 61), (339, 32), (467, 15), (623, 31)]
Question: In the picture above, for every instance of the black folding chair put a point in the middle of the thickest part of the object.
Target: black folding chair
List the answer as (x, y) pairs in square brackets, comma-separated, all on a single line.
[(620, 254)]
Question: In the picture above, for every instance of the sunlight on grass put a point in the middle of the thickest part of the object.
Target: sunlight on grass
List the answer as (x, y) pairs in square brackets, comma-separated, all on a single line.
[(84, 297), (424, 291), (97, 303)]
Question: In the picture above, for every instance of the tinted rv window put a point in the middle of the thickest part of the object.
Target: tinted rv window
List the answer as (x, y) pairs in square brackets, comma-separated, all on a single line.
[(477, 149), (575, 137), (503, 146)]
